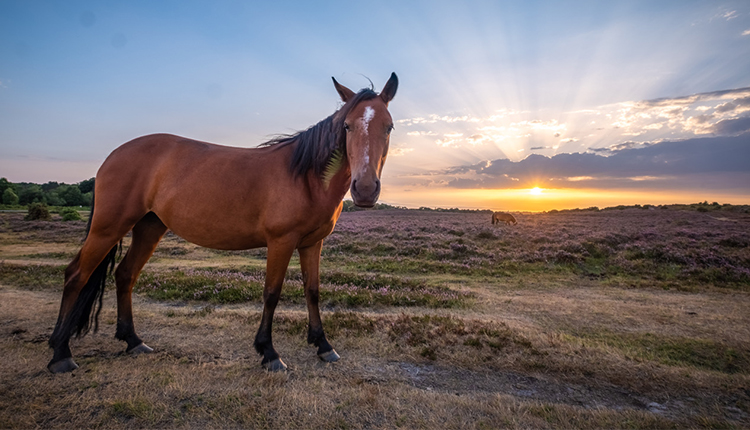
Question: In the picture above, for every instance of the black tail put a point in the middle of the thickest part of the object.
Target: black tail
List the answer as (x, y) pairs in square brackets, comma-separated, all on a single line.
[(84, 314)]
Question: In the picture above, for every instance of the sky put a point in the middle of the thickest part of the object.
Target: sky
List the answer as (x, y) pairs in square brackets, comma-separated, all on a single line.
[(521, 106)]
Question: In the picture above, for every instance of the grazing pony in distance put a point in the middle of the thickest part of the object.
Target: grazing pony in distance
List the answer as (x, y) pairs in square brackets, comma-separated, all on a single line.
[(498, 217), (284, 195)]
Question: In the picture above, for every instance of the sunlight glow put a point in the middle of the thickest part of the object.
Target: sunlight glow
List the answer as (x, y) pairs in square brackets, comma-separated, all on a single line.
[(519, 199), (536, 191)]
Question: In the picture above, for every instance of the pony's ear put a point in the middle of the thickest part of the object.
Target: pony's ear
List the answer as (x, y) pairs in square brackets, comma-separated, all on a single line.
[(343, 91), (389, 90)]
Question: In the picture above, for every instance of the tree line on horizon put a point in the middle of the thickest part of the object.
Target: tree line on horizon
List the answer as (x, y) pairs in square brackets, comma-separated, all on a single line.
[(81, 194), (50, 193)]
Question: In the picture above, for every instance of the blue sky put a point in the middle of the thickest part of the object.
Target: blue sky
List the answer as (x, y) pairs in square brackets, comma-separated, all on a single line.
[(480, 82)]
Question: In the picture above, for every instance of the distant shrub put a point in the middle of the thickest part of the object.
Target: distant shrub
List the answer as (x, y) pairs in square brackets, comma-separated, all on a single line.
[(542, 239), (573, 247), (70, 214), (565, 257), (735, 242), (459, 248), (702, 209), (38, 212), (486, 235), (9, 197)]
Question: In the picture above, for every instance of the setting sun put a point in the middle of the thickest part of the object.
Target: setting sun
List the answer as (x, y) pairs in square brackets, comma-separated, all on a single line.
[(535, 191)]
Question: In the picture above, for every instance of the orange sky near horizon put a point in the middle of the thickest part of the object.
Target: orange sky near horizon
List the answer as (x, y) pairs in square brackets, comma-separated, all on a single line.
[(546, 199)]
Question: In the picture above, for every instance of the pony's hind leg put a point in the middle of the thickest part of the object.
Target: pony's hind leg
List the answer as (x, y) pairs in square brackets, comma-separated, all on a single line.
[(310, 265), (146, 235), (84, 281)]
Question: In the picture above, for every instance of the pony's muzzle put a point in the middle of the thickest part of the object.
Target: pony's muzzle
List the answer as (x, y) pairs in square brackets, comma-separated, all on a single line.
[(365, 192)]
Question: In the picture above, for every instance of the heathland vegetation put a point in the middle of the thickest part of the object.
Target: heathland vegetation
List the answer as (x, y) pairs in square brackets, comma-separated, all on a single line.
[(635, 317)]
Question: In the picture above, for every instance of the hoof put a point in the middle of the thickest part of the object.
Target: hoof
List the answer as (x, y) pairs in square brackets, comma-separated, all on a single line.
[(275, 366), (141, 348), (330, 356), (62, 366)]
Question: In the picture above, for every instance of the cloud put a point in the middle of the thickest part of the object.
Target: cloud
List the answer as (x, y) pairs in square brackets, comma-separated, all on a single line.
[(398, 152), (733, 126), (619, 147), (726, 107), (678, 164), (434, 118), (450, 140), (516, 133), (746, 32), (682, 117)]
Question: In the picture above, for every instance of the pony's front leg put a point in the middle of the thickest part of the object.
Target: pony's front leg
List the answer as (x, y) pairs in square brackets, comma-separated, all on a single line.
[(279, 255), (310, 264)]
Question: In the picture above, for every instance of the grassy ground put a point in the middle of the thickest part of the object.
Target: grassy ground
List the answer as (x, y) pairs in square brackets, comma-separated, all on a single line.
[(611, 319)]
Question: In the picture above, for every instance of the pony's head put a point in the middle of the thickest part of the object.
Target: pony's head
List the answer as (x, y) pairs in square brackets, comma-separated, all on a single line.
[(368, 126)]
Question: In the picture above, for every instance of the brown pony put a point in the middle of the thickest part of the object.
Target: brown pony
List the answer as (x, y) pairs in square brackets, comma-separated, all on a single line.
[(285, 195), (498, 217)]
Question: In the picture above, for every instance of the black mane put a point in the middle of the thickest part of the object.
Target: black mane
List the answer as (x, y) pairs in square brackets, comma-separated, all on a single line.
[(316, 144)]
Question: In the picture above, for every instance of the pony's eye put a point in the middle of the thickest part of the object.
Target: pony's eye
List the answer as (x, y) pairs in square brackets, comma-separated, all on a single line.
[(346, 127), (390, 129)]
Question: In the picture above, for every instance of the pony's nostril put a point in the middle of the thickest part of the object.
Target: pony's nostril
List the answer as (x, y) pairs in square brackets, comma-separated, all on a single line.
[(368, 190)]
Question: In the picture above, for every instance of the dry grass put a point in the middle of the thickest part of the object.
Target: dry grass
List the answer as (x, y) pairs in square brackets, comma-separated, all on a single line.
[(542, 348)]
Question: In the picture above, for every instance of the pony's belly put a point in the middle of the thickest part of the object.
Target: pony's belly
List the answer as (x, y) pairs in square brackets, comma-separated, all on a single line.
[(233, 241)]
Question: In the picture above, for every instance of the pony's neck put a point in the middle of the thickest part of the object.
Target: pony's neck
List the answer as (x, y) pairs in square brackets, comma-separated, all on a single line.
[(339, 183)]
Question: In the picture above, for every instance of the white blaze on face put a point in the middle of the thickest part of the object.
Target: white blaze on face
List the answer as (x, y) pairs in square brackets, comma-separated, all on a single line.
[(366, 118)]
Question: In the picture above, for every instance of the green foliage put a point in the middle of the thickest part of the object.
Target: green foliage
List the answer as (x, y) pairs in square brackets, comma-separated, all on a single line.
[(453, 210), (70, 214), (32, 276), (349, 206), (38, 212), (50, 193), (672, 351), (49, 186), (86, 186), (4, 184), (9, 197), (209, 285), (71, 195), (30, 193), (53, 199), (352, 290), (333, 166)]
